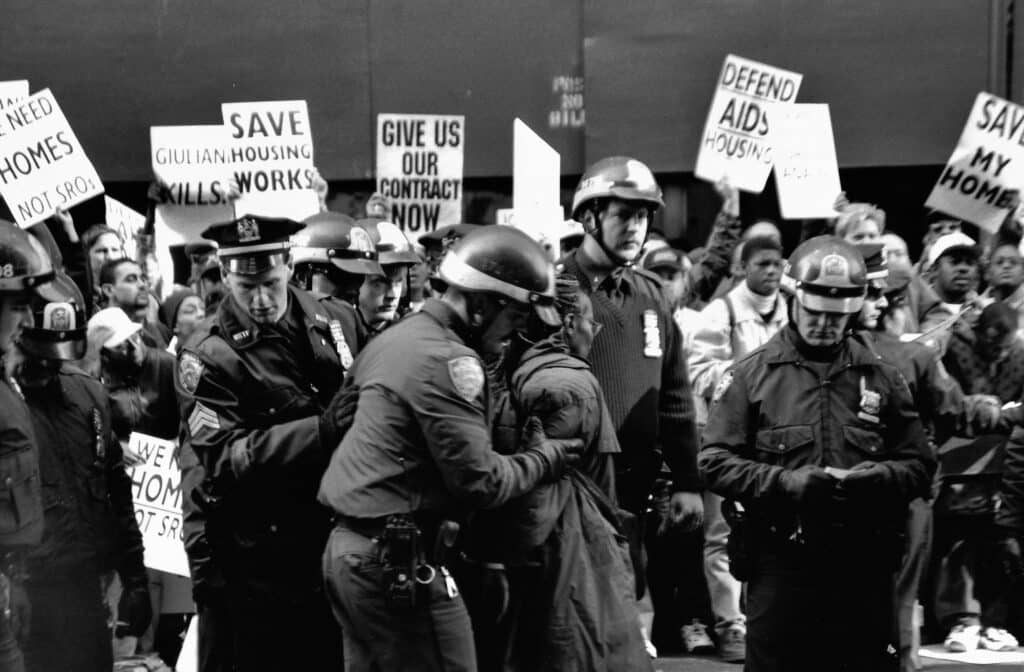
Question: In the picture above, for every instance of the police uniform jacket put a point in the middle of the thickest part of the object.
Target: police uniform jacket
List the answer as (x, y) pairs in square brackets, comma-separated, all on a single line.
[(21, 507), (780, 410), (87, 493), (420, 439), (639, 362), (251, 397)]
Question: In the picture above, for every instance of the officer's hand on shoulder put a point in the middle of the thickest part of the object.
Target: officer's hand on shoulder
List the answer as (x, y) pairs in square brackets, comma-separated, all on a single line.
[(809, 484), (557, 454)]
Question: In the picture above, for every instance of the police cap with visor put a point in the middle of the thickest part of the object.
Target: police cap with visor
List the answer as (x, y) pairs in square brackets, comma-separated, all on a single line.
[(827, 274), (251, 244)]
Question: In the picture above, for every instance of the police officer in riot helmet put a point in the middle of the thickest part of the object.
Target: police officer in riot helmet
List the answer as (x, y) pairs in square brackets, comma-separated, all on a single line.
[(332, 256), (415, 455), (381, 295), (24, 266), (90, 526), (819, 442)]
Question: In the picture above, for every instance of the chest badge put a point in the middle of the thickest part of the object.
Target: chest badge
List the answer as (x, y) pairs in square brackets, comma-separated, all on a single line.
[(870, 403), (344, 352), (652, 334)]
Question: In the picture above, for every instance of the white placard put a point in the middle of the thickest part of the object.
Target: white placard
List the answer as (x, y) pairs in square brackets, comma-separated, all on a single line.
[(806, 171), (419, 169), (12, 91), (735, 144), (127, 222), (271, 145), (987, 163), (156, 493), (536, 184), (42, 164), (193, 162)]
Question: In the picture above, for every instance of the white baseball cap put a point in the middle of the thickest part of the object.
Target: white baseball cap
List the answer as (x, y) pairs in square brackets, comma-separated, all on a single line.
[(944, 244), (115, 323)]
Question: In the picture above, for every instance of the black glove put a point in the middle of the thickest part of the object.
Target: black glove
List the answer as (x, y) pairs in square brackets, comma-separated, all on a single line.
[(809, 484), (557, 454), (134, 611), (339, 416), (1010, 558)]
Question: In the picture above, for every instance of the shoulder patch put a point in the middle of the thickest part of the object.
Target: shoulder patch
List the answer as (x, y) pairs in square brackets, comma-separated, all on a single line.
[(190, 370), (722, 386), (467, 376)]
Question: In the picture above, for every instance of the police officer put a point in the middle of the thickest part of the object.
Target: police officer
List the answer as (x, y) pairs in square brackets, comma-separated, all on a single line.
[(818, 440), (637, 357), (253, 381), (24, 266), (381, 295), (90, 521), (418, 452)]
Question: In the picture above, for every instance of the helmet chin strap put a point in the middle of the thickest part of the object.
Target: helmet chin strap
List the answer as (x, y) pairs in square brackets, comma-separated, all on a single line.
[(597, 234)]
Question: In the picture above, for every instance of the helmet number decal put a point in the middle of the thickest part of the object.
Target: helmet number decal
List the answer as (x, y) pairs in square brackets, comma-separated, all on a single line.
[(7, 271)]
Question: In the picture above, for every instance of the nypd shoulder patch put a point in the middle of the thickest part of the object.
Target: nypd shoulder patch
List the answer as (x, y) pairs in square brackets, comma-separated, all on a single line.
[(467, 376), (190, 370)]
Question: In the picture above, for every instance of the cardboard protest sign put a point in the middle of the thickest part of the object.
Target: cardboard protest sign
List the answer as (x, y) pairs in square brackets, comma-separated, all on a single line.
[(806, 171), (42, 164), (271, 154), (156, 493), (193, 162), (735, 144), (419, 169), (125, 221), (536, 184), (986, 165), (12, 91)]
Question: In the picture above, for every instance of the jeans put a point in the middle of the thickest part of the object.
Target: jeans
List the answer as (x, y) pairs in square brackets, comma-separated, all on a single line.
[(434, 635), (725, 590)]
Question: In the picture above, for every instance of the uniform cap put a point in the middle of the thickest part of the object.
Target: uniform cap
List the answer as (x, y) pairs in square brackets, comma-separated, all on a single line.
[(827, 274), (112, 325), (874, 260), (949, 242), (253, 244), (335, 238)]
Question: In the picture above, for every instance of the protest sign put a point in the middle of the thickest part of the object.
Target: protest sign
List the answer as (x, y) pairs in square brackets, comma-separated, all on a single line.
[(12, 91), (536, 184), (125, 221), (42, 164), (192, 162), (419, 169), (156, 493), (806, 171), (986, 166), (735, 144), (271, 155)]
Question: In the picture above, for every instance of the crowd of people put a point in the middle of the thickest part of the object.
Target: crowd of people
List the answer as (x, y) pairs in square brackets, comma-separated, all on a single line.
[(470, 452)]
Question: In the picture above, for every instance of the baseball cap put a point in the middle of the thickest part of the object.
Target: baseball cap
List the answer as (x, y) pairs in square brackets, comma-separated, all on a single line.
[(664, 257), (112, 325), (949, 242)]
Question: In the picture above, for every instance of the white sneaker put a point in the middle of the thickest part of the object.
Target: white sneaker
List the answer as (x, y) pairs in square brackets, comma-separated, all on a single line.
[(652, 651), (963, 638), (997, 639), (695, 637)]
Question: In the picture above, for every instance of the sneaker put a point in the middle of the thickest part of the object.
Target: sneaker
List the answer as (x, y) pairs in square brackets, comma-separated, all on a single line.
[(695, 638), (963, 638), (997, 639), (732, 644)]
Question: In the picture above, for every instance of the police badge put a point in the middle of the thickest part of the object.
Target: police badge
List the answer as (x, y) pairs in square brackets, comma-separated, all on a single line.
[(190, 370), (467, 376), (870, 403)]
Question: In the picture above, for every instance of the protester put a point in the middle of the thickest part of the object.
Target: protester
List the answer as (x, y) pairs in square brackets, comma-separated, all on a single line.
[(252, 383), (101, 244), (860, 223), (125, 286), (728, 329), (953, 268), (1005, 275), (818, 440), (672, 267), (181, 313), (896, 251), (90, 526)]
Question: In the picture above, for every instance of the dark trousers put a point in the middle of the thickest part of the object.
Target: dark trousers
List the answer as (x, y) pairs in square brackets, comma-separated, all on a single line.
[(675, 578), (69, 630), (216, 637), (810, 610), (435, 635)]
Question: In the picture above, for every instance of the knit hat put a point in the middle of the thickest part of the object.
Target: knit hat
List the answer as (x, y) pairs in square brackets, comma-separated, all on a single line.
[(169, 308)]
